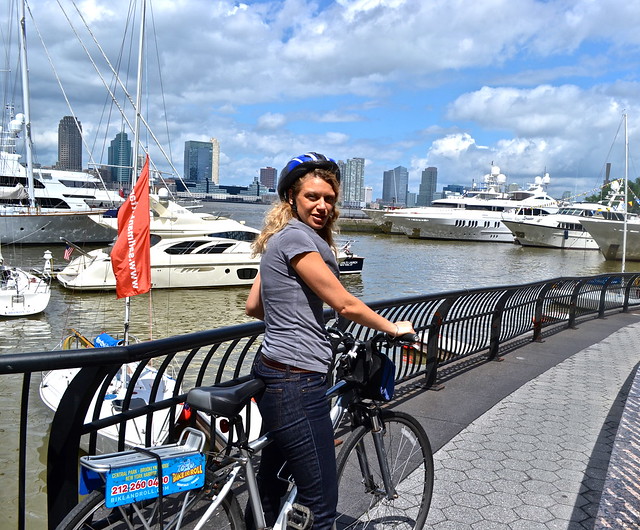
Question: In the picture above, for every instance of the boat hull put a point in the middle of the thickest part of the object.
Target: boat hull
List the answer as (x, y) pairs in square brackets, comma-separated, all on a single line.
[(47, 228), (479, 226), (535, 234), (609, 235), (55, 383), (93, 272)]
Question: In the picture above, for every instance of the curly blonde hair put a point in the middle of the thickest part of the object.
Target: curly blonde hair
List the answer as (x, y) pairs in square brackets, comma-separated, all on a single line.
[(282, 212)]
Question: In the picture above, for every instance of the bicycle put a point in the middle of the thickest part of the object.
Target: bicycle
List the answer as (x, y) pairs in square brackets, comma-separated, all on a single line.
[(385, 466)]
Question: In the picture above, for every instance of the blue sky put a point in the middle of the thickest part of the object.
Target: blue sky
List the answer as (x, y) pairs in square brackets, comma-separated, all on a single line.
[(531, 86)]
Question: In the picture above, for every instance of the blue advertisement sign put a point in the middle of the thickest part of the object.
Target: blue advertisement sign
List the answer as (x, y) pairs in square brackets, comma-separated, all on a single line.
[(138, 482)]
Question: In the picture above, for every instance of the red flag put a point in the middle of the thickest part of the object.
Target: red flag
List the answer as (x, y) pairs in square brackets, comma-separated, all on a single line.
[(130, 258)]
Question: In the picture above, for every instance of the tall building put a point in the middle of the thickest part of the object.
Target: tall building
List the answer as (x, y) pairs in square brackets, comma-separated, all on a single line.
[(268, 177), (395, 184), (427, 186), (70, 144), (352, 184), (120, 159), (198, 158), (215, 161)]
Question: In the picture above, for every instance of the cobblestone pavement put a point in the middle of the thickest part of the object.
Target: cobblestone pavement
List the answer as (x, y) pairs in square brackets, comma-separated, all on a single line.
[(538, 459)]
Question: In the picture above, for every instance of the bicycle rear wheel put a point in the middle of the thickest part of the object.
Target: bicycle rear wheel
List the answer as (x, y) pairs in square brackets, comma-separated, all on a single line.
[(362, 501), (92, 513)]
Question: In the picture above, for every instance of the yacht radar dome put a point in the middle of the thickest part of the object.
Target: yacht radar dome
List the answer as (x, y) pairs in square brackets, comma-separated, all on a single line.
[(502, 178), (615, 185), (538, 180), (495, 171), (546, 179)]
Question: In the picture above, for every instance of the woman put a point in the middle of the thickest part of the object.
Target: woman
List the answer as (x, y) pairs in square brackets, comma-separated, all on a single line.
[(298, 275)]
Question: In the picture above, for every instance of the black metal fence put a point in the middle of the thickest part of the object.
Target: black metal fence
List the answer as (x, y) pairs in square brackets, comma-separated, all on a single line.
[(455, 327)]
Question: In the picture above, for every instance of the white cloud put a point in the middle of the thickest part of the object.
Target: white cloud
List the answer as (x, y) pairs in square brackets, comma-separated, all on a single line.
[(455, 84), (271, 121)]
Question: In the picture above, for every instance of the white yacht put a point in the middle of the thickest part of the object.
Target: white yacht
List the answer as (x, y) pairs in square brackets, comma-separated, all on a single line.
[(609, 234), (565, 229), (206, 260), (478, 216), (187, 250), (385, 217)]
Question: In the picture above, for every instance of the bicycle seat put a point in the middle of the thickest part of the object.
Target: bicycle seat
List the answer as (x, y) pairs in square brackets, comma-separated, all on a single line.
[(226, 400)]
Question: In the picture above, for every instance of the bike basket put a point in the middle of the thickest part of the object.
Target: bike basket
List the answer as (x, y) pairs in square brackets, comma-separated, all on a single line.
[(372, 372)]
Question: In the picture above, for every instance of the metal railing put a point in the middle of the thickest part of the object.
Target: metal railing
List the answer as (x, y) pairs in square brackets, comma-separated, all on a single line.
[(456, 328)]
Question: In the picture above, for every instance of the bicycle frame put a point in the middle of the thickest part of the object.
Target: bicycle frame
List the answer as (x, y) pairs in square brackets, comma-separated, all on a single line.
[(238, 456)]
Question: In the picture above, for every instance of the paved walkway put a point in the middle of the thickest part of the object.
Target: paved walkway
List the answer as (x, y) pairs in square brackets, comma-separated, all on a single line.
[(526, 443)]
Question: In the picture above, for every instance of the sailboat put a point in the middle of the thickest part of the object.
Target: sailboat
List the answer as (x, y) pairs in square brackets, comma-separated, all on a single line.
[(28, 217), (23, 293), (131, 266)]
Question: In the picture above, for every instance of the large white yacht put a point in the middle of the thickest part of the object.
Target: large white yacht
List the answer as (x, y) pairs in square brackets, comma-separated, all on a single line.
[(565, 229), (610, 234), (188, 249), (477, 216)]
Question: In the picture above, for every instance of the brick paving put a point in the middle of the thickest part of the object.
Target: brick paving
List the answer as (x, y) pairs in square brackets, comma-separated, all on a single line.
[(532, 442)]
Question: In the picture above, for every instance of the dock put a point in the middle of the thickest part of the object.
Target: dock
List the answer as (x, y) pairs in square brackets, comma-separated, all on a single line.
[(552, 442)]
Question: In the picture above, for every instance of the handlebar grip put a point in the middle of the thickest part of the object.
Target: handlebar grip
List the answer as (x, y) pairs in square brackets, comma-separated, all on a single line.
[(406, 337)]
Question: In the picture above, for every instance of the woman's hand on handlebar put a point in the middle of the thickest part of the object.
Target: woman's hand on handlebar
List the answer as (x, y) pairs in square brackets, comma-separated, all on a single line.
[(403, 329)]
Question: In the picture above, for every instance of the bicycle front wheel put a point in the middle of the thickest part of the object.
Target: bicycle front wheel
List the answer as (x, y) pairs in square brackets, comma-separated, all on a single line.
[(363, 501), (92, 513)]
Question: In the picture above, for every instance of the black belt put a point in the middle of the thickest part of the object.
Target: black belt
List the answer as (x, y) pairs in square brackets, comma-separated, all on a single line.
[(284, 367)]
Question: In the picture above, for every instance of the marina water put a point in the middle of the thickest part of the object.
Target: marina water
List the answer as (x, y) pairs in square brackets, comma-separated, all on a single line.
[(395, 266)]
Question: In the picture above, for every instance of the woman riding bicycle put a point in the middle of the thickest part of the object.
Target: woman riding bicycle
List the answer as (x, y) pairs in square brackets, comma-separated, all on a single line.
[(298, 275)]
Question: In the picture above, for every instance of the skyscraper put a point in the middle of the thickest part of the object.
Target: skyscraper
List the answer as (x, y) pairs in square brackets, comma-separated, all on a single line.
[(198, 159), (427, 186), (215, 161), (353, 183), (120, 159), (70, 144), (268, 177), (395, 184)]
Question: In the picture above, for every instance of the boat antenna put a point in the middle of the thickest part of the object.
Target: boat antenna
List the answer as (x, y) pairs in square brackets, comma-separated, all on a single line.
[(626, 193), (26, 104), (136, 148)]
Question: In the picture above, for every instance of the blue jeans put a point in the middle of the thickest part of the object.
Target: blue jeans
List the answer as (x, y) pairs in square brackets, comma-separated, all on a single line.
[(294, 408)]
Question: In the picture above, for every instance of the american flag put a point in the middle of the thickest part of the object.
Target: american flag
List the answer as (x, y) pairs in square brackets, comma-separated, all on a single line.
[(67, 252)]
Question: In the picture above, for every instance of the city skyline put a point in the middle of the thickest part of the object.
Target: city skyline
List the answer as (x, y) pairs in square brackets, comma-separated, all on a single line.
[(531, 85)]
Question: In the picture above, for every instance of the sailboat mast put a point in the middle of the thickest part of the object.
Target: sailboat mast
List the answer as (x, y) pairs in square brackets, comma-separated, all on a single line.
[(136, 144), (26, 103), (626, 193)]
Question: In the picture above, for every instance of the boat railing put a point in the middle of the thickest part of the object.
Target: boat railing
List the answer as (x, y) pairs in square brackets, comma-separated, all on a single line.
[(458, 330)]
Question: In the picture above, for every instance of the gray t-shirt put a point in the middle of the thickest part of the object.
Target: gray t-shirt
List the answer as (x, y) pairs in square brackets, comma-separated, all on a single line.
[(295, 331)]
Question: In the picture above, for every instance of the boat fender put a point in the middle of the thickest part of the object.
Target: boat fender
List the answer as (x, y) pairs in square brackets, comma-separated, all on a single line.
[(104, 340)]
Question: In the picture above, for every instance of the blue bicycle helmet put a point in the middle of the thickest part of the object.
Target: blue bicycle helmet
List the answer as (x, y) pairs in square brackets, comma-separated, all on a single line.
[(299, 166)]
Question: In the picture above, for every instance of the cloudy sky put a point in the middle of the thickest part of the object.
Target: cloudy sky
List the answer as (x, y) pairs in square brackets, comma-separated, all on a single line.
[(531, 86)]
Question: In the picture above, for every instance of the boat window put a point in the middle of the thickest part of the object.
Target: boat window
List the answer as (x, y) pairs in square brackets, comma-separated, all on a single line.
[(52, 202), (11, 181), (79, 184), (238, 235), (215, 249), (185, 247), (247, 274)]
